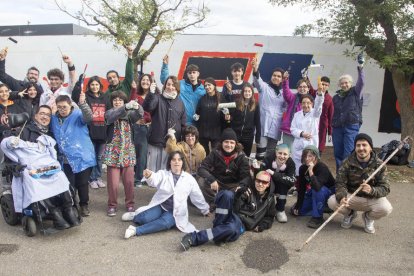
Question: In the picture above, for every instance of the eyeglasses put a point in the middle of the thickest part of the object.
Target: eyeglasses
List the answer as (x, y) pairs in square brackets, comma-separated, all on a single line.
[(262, 182), (45, 114)]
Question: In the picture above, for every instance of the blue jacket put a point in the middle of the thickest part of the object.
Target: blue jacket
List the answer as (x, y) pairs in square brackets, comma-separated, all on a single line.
[(189, 96), (348, 109), (72, 137)]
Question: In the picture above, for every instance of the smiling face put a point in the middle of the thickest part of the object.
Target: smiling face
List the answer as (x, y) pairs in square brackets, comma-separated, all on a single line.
[(276, 78), (363, 150), (176, 164), (310, 158), (306, 105), (63, 108), (43, 116), (303, 88), (345, 84), (55, 82), (282, 155), (94, 87), (32, 92), (112, 78), (209, 88), (170, 87), (33, 76), (247, 93), (190, 139), (228, 145), (145, 83), (117, 102), (4, 94), (262, 182)]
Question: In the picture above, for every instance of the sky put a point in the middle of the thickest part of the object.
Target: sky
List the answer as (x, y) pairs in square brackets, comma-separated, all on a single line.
[(243, 17)]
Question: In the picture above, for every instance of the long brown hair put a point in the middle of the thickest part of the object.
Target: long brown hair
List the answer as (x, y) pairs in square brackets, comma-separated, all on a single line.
[(217, 94), (241, 103)]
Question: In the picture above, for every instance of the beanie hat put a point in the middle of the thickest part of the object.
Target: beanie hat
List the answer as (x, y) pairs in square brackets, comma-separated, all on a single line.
[(314, 150), (363, 136), (228, 134)]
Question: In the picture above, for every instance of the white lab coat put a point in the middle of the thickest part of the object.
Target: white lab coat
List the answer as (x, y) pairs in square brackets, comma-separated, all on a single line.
[(186, 186), (308, 122)]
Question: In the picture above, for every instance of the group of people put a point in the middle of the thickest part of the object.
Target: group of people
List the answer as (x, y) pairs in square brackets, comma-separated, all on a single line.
[(187, 139)]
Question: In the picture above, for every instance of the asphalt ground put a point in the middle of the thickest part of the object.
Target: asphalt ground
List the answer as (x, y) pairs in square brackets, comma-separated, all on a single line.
[(97, 247)]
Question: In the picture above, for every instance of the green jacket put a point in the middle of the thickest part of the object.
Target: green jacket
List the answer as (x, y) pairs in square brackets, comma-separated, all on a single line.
[(125, 84), (351, 175)]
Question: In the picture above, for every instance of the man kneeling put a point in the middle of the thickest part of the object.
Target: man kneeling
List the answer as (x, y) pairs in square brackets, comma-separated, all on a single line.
[(372, 200), (250, 208)]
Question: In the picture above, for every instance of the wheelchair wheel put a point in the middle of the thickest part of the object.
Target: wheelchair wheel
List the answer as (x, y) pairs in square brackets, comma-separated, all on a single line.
[(7, 208), (29, 226)]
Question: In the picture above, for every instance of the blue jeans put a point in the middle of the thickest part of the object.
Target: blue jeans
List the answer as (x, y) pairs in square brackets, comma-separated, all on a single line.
[(99, 150), (314, 202), (141, 149), (154, 220), (343, 142)]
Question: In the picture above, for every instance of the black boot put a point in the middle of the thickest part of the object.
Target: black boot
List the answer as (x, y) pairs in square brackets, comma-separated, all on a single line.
[(58, 221), (71, 217)]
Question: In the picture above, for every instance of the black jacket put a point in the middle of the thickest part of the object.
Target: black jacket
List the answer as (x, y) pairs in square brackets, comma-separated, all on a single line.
[(286, 177), (165, 114), (211, 122), (99, 105), (255, 210), (31, 132), (213, 168), (322, 176), (244, 123)]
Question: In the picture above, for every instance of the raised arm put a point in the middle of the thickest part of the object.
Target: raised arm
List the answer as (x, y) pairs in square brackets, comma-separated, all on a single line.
[(164, 69), (360, 82)]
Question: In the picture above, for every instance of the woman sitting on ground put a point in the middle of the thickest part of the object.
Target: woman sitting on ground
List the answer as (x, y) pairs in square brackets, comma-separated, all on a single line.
[(168, 206), (193, 151), (316, 185)]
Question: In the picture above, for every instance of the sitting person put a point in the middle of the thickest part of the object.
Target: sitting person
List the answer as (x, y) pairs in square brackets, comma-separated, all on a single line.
[(253, 210), (42, 178), (193, 151), (372, 200), (168, 206), (316, 185), (282, 169), (225, 168)]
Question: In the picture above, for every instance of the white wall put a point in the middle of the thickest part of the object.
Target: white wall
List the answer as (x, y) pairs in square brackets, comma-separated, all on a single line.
[(43, 52)]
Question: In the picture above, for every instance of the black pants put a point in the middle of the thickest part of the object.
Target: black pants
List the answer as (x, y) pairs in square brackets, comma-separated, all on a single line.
[(205, 143), (79, 181), (282, 191), (247, 142)]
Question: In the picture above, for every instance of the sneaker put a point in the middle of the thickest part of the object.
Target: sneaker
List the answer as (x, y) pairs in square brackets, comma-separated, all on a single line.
[(94, 184), (347, 221), (186, 242), (84, 211), (281, 217), (130, 232), (130, 209), (292, 191), (100, 183), (111, 212), (128, 216), (369, 224), (137, 183), (315, 222)]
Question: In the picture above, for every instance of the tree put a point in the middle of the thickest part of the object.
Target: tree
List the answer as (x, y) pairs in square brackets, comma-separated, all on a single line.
[(383, 27), (133, 22)]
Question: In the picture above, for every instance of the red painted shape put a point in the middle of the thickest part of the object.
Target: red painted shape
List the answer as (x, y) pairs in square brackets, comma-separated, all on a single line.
[(220, 83), (258, 44)]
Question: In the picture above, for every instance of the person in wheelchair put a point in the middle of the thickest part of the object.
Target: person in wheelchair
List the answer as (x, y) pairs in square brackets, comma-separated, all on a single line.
[(37, 175)]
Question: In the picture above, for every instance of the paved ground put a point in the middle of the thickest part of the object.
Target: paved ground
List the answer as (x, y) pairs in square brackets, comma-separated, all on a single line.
[(97, 247)]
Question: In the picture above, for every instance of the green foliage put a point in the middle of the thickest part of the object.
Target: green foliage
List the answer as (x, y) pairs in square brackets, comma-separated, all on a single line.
[(135, 22), (384, 27)]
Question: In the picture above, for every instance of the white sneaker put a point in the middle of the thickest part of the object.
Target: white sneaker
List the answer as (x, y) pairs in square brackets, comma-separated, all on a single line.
[(369, 224), (130, 232), (347, 221), (281, 217), (100, 183), (128, 216), (94, 184)]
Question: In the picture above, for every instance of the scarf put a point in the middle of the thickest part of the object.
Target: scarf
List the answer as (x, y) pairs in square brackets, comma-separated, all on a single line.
[(170, 96), (43, 129), (275, 87)]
